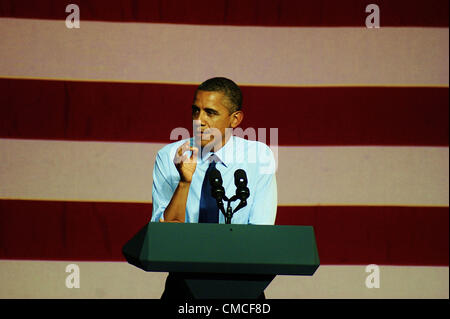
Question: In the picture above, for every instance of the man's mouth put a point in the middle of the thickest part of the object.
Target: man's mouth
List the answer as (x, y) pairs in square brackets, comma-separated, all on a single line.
[(204, 136), (202, 132)]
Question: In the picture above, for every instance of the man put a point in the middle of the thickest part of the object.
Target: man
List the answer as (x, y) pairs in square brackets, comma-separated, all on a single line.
[(181, 189)]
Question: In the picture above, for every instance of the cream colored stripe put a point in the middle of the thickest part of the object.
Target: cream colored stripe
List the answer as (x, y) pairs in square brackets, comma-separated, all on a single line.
[(410, 176), (122, 172), (46, 279), (174, 53)]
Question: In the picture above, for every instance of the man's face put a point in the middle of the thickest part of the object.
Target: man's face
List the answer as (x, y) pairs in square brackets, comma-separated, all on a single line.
[(209, 109)]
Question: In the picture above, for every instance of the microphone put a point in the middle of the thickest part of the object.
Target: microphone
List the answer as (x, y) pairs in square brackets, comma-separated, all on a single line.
[(242, 191), (217, 190), (240, 178)]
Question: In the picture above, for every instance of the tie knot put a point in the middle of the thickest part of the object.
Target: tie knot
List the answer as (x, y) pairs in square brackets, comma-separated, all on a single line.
[(213, 160)]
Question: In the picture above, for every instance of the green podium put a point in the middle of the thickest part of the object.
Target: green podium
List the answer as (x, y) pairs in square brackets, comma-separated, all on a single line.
[(224, 260)]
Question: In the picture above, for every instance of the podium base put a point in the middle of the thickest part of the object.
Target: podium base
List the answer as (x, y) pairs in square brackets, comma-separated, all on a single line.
[(226, 286)]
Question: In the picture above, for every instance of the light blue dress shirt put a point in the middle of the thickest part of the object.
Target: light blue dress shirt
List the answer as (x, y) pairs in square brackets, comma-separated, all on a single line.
[(254, 157)]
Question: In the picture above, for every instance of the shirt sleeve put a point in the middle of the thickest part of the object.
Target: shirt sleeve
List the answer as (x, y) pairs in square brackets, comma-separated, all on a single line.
[(264, 208), (162, 190)]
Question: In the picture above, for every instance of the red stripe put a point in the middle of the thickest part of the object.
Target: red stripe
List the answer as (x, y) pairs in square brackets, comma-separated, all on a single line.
[(345, 235), (239, 12), (39, 109), (373, 234)]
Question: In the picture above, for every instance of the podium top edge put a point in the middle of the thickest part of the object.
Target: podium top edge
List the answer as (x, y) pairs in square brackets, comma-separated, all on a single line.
[(232, 225)]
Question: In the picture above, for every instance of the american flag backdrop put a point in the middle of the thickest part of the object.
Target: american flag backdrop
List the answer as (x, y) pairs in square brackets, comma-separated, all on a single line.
[(361, 113)]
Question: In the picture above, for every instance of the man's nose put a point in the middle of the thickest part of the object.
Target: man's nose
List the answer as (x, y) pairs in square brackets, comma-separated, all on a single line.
[(203, 118)]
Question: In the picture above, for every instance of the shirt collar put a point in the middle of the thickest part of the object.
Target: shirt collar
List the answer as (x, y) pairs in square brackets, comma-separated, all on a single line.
[(225, 153)]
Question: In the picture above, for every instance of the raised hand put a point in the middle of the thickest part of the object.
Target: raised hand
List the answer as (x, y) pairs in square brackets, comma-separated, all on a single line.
[(185, 164)]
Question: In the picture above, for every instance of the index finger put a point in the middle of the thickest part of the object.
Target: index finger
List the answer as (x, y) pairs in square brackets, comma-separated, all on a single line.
[(183, 148), (194, 153)]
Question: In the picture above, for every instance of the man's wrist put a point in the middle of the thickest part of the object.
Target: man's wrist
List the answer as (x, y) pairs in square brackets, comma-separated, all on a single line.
[(184, 184)]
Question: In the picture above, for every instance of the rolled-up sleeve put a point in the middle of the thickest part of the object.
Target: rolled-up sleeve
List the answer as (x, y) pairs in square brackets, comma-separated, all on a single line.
[(162, 190), (264, 208)]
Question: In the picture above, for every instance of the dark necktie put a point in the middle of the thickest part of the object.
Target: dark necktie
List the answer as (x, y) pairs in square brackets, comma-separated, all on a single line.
[(209, 212)]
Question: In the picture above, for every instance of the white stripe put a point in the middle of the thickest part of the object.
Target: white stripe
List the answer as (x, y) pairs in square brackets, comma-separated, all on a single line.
[(375, 175), (177, 53), (122, 172), (46, 279)]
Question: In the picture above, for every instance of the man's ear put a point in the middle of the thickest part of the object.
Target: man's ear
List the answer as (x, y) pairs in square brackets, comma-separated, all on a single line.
[(236, 118)]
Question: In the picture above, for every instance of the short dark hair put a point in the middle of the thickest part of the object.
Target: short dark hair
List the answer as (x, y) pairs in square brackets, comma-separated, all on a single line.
[(230, 89)]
